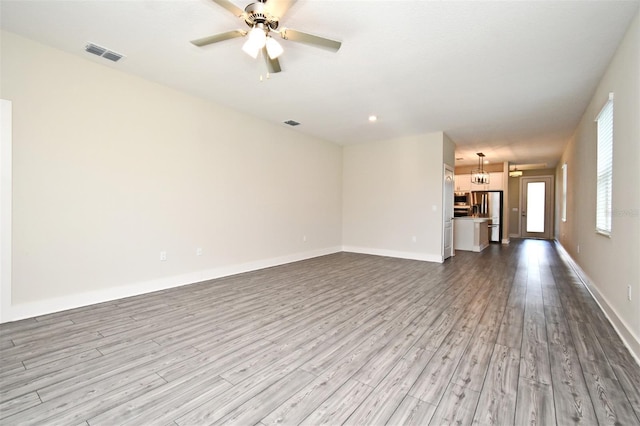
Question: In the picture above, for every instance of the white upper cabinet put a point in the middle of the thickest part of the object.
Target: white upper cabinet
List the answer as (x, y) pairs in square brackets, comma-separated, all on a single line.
[(462, 183), (495, 180)]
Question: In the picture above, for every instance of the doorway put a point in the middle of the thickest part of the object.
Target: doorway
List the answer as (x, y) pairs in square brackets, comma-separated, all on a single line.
[(447, 213), (536, 207), (6, 314)]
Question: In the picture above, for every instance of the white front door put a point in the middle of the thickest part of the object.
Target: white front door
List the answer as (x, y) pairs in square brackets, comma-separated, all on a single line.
[(447, 211), (537, 207)]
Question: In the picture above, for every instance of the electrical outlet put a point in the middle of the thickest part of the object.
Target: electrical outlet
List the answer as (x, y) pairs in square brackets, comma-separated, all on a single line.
[(198, 251), (414, 238), (304, 238), (629, 292), (163, 256), (578, 248)]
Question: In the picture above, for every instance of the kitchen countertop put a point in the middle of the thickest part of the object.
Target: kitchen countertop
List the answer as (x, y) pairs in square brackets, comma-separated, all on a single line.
[(475, 219)]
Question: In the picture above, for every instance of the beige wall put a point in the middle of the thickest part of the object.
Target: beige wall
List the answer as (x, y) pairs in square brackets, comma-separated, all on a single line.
[(448, 151), (392, 196), (109, 170), (611, 264)]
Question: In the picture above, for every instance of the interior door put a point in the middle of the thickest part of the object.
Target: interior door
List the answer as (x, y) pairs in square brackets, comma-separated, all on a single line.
[(5, 209), (536, 207), (447, 202)]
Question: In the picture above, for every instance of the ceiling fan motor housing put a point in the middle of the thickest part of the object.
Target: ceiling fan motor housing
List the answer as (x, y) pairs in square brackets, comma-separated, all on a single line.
[(256, 14)]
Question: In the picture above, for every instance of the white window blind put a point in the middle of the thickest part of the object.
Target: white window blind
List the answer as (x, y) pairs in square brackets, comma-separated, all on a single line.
[(605, 168)]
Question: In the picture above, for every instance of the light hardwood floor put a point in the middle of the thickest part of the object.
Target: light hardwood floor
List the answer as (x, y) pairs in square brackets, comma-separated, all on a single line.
[(507, 337)]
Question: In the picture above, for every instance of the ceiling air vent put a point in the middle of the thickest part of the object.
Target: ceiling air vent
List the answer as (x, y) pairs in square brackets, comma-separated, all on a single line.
[(112, 56), (291, 123), (101, 51), (96, 50)]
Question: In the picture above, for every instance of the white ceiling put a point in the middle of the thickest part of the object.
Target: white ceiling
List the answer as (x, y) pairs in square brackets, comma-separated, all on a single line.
[(508, 78)]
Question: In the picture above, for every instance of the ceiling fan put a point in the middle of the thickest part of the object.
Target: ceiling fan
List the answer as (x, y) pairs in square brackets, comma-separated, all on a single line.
[(263, 18)]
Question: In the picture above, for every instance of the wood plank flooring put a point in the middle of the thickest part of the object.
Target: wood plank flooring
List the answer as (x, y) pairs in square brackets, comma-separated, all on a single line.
[(508, 336)]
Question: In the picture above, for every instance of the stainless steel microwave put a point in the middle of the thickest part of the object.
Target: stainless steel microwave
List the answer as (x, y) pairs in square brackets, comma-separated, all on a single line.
[(462, 199)]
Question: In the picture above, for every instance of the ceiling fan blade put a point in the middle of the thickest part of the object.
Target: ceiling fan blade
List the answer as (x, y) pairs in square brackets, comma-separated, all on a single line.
[(218, 37), (300, 37), (278, 8), (230, 7), (273, 65)]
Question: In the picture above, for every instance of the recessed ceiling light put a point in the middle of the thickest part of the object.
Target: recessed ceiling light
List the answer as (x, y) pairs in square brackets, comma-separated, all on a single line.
[(373, 118)]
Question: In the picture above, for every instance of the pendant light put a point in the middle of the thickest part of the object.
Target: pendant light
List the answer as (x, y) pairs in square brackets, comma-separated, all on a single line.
[(479, 176), (515, 172)]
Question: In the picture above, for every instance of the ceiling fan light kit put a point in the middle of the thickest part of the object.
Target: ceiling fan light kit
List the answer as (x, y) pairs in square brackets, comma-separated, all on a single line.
[(255, 42), (274, 49), (263, 18)]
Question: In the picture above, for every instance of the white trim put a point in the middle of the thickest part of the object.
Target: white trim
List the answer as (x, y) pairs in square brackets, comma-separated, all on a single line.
[(394, 253), (604, 167), (5, 208), (609, 100), (563, 210), (447, 168), (57, 304), (480, 246), (630, 340)]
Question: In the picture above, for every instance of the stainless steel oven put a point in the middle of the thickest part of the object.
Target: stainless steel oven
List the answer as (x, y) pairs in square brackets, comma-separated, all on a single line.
[(461, 204)]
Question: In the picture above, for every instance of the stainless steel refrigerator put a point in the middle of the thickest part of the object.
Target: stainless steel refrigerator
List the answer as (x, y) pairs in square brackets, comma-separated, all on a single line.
[(490, 204)]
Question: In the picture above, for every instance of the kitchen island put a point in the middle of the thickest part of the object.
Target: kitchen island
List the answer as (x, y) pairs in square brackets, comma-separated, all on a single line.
[(471, 233)]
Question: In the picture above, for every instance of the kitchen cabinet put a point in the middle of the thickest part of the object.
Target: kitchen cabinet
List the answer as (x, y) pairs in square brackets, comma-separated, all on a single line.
[(470, 233), (495, 181), (476, 187), (462, 183)]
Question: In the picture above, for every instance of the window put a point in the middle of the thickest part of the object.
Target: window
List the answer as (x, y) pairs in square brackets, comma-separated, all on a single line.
[(536, 209), (564, 192), (605, 168)]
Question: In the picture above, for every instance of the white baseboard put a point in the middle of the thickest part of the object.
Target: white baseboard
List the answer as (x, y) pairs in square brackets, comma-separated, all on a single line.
[(630, 340), (394, 253), (43, 307)]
